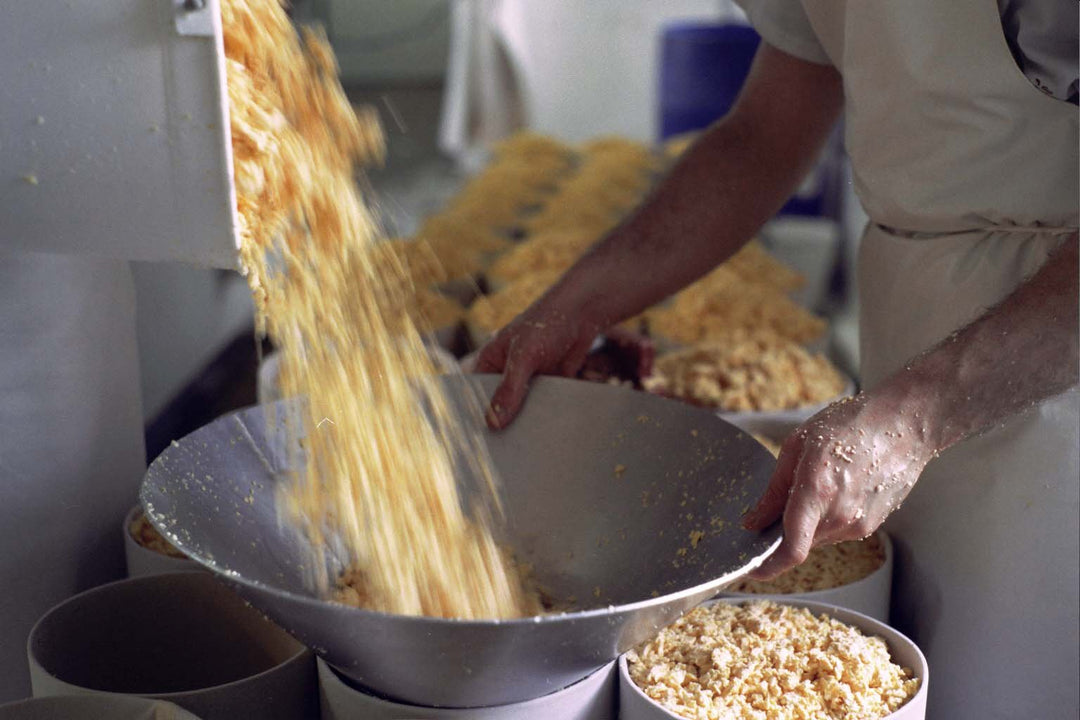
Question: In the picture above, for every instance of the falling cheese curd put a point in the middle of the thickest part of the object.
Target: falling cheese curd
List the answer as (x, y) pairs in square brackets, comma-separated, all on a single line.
[(379, 437)]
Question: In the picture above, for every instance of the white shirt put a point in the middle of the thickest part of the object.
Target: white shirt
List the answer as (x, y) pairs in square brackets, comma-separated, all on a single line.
[(1042, 35)]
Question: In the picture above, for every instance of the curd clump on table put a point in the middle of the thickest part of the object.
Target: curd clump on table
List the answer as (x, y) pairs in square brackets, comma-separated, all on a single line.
[(489, 313), (746, 371), (724, 302)]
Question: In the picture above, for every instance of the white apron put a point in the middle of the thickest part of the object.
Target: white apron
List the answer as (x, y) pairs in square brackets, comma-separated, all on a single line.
[(969, 175)]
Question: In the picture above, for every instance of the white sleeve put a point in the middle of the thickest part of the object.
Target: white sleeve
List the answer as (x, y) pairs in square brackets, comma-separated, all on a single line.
[(784, 25)]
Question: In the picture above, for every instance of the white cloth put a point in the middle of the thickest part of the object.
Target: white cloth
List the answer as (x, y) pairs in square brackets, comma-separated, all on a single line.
[(784, 25), (1045, 42), (482, 101), (1041, 34), (71, 448), (987, 571), (958, 159), (574, 70)]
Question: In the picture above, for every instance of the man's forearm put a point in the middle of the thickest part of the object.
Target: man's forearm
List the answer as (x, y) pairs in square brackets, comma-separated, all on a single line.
[(1019, 353), (720, 193)]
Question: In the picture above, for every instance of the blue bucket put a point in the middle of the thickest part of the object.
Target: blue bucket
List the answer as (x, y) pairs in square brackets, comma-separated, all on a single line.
[(702, 69)]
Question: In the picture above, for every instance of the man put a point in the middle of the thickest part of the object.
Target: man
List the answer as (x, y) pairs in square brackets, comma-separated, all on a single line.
[(967, 167)]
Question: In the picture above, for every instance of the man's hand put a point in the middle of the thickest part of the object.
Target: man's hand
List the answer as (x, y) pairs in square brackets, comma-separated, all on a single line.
[(715, 198), (543, 340), (840, 475)]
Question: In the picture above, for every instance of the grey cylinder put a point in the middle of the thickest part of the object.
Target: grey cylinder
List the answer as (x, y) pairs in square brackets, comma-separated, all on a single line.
[(592, 698), (181, 637), (869, 595)]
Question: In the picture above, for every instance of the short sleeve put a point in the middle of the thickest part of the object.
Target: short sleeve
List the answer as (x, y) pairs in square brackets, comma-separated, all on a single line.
[(784, 25)]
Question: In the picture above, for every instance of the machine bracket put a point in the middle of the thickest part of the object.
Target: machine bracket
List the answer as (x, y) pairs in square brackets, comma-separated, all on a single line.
[(194, 17)]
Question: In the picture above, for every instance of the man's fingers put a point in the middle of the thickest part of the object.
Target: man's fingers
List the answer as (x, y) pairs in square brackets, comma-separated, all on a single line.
[(771, 505), (509, 396), (800, 524)]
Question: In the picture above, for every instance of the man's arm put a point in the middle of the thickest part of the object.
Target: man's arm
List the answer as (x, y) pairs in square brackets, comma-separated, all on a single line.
[(731, 181), (724, 188), (842, 473)]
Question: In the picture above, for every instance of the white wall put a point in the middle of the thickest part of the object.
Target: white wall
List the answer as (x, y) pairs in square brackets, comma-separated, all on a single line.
[(591, 68)]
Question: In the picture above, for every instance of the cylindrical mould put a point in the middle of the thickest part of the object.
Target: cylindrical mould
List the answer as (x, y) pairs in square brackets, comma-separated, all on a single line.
[(636, 705), (142, 561), (778, 424), (590, 699), (869, 595), (184, 638)]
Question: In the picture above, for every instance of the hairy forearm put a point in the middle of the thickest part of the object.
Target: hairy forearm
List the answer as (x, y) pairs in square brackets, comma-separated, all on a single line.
[(709, 206), (1017, 354), (846, 469), (719, 194)]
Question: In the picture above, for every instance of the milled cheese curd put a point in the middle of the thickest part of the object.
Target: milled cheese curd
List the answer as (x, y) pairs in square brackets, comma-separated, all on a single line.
[(746, 371), (825, 568), (764, 661)]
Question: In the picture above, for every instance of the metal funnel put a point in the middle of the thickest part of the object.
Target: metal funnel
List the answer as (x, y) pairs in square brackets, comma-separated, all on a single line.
[(626, 501)]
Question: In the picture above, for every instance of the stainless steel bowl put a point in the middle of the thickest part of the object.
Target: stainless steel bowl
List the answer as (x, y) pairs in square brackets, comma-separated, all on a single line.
[(627, 502)]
